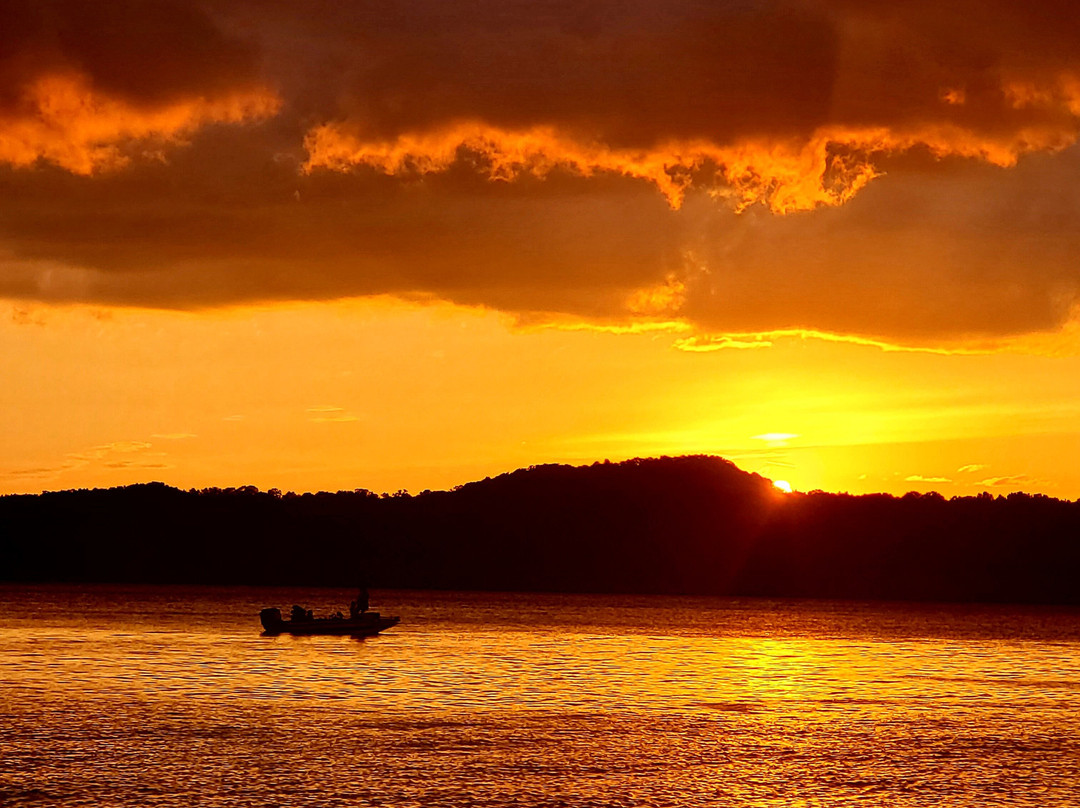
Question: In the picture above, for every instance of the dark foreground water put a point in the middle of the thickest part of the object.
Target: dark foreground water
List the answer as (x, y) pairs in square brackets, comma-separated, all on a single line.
[(170, 697)]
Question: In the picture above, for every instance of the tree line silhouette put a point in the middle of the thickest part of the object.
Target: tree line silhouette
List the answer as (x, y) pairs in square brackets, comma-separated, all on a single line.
[(684, 525)]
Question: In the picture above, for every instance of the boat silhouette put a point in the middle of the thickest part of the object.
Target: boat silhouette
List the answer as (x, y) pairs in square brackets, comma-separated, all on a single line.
[(362, 624)]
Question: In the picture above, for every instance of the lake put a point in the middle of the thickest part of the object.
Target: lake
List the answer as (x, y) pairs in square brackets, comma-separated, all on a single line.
[(143, 696)]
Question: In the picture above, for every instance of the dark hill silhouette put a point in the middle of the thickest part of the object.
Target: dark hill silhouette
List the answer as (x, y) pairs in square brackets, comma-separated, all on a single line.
[(667, 525)]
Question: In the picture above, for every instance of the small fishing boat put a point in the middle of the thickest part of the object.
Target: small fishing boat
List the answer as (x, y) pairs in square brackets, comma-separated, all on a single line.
[(363, 624)]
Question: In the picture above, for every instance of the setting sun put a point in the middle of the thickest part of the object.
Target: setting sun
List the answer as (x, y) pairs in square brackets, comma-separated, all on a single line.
[(783, 485)]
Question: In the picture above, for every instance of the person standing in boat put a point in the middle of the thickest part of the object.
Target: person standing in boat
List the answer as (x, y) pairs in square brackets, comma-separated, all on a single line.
[(360, 605)]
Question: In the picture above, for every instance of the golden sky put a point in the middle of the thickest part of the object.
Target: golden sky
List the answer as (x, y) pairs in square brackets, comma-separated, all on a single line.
[(408, 244)]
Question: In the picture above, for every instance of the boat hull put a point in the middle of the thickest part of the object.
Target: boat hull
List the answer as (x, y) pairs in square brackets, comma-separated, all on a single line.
[(365, 625)]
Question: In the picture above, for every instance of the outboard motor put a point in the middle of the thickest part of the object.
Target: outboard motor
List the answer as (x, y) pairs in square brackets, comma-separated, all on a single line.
[(271, 620)]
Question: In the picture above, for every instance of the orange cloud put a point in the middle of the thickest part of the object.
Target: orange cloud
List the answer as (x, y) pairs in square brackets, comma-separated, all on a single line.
[(766, 339), (1059, 92), (1061, 342), (63, 120), (788, 174), (1013, 481), (501, 154), (326, 414), (662, 299)]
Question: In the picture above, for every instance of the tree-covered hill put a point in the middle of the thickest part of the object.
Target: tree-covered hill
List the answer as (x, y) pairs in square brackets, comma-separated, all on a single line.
[(667, 525)]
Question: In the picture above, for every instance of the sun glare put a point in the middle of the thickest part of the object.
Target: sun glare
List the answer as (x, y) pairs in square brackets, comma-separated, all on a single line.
[(783, 485)]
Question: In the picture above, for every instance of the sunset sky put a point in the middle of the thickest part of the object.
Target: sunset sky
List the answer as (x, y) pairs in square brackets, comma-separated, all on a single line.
[(408, 244)]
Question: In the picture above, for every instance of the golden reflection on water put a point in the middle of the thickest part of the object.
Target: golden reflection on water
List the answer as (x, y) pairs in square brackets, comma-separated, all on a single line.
[(136, 697)]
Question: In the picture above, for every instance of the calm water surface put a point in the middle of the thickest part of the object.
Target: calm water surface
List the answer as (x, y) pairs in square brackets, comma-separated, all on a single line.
[(115, 696)]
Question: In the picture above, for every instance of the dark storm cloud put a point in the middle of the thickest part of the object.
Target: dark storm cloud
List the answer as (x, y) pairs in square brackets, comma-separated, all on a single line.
[(255, 230), (552, 157), (958, 252), (629, 74), (147, 52)]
